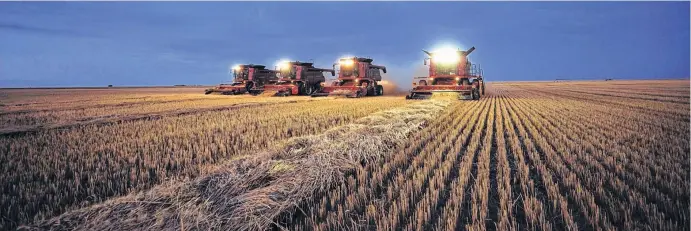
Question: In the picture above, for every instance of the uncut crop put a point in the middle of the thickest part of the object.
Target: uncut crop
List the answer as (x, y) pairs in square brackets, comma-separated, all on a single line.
[(47, 99), (535, 156), (35, 113), (49, 171)]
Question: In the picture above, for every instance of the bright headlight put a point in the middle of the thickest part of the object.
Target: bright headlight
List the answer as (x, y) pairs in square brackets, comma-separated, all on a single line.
[(283, 64), (237, 67), (446, 56), (347, 62)]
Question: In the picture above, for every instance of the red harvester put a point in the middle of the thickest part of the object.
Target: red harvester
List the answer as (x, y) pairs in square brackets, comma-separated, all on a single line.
[(297, 78), (356, 77), (450, 73), (247, 78)]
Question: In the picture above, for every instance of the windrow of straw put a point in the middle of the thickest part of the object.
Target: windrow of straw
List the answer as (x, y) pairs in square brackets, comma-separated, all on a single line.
[(249, 193)]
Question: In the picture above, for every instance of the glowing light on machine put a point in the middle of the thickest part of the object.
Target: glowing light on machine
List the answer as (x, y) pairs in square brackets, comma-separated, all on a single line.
[(445, 55), (283, 64), (237, 67), (346, 62)]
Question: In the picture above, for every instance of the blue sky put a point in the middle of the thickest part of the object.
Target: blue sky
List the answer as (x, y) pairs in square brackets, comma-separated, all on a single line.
[(166, 43)]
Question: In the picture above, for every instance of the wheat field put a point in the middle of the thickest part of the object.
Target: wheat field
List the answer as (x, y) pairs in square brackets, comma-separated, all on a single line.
[(582, 155), (536, 156)]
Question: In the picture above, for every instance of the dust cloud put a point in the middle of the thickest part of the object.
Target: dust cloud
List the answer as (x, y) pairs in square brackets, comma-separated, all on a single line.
[(399, 79)]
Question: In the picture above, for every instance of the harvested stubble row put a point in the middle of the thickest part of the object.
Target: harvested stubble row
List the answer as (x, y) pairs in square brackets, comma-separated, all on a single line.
[(527, 156), (406, 184), (606, 160), (249, 193), (71, 168)]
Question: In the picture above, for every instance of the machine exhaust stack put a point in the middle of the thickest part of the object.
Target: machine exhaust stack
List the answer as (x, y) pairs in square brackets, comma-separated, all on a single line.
[(466, 53), (383, 68)]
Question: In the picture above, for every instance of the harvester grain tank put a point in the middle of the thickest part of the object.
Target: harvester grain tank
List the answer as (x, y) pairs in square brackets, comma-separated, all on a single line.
[(357, 77), (247, 78), (450, 73), (297, 78)]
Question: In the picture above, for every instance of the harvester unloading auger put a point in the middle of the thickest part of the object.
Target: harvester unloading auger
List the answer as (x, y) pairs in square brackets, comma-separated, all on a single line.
[(247, 78), (297, 78), (356, 77), (450, 74)]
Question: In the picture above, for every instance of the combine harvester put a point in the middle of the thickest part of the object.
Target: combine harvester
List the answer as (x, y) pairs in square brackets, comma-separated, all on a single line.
[(297, 78), (357, 77), (247, 78), (451, 74)]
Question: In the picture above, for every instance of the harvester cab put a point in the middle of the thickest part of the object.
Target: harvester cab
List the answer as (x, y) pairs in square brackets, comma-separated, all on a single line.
[(450, 74), (297, 78), (247, 78), (357, 77)]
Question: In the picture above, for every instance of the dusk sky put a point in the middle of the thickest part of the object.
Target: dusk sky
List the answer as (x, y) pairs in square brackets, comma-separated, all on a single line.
[(166, 43)]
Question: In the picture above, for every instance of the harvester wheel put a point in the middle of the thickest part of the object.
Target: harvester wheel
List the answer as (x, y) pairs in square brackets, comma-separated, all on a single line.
[(476, 94), (317, 88), (309, 89), (380, 90), (249, 86), (301, 88)]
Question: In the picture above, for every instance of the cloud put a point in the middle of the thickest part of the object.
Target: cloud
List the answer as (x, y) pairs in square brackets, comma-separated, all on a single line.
[(18, 27)]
